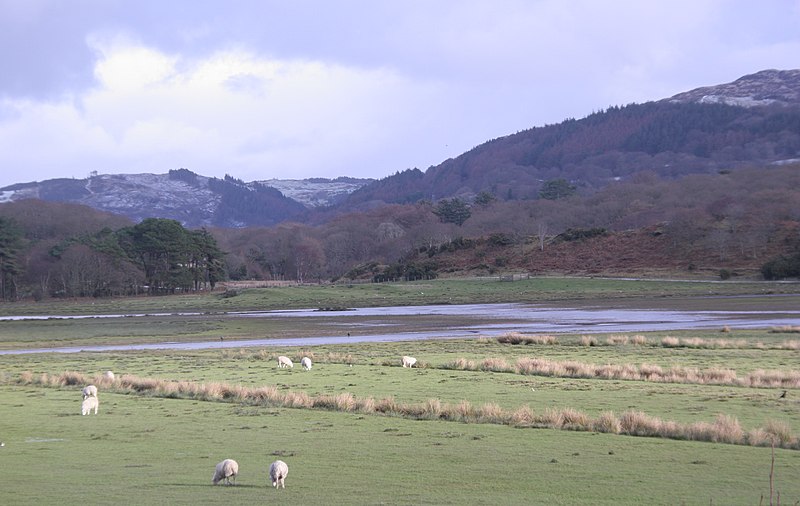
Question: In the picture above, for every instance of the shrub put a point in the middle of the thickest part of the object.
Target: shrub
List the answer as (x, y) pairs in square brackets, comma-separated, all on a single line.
[(782, 267)]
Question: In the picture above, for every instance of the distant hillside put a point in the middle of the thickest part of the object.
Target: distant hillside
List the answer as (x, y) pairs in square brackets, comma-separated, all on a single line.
[(752, 121), (192, 199)]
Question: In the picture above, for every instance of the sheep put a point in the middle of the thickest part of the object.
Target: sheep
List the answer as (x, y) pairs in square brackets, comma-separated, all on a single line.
[(87, 405), (284, 362), (277, 473), (89, 391), (225, 470), (306, 363), (409, 361), (109, 375)]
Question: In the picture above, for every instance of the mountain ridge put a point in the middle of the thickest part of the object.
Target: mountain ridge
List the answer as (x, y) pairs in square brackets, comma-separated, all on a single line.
[(754, 120)]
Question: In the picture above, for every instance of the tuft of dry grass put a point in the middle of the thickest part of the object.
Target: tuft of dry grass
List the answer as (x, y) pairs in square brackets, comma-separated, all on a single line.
[(781, 433), (494, 365), (615, 340), (517, 338), (491, 413), (670, 342), (637, 423), (522, 417), (786, 329), (588, 341), (463, 412), (461, 364), (72, 378), (608, 423)]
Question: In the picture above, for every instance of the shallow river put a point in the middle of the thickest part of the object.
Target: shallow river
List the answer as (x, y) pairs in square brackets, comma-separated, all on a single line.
[(478, 320)]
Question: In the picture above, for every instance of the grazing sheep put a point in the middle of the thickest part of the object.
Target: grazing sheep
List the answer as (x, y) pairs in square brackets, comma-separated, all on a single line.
[(306, 363), (409, 361), (88, 404), (225, 470), (277, 473), (89, 391), (284, 362), (109, 375)]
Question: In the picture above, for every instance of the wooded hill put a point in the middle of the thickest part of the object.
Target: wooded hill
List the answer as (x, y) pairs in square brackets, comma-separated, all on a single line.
[(740, 223), (669, 139), (753, 121)]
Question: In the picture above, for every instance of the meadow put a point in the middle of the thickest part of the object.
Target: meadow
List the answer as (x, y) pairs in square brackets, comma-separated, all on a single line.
[(690, 417)]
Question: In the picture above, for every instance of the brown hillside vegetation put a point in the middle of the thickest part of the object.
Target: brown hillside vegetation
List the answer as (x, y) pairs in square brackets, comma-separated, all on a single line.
[(642, 253)]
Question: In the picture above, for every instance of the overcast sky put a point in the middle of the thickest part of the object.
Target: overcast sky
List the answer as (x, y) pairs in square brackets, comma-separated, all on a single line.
[(262, 89)]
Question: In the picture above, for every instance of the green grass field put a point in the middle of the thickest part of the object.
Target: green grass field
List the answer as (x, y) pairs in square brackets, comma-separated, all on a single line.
[(145, 447)]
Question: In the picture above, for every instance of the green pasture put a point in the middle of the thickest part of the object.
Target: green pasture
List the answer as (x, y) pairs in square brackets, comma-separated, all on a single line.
[(145, 449), (150, 450), (373, 370)]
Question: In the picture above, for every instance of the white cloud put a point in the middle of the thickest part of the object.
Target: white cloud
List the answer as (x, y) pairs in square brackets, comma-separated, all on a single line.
[(231, 112)]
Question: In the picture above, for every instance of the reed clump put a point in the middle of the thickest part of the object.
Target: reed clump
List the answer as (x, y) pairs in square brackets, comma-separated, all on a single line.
[(525, 339), (643, 372)]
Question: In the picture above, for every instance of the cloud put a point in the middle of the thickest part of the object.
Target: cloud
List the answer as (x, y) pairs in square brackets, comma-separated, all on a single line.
[(265, 88), (249, 115)]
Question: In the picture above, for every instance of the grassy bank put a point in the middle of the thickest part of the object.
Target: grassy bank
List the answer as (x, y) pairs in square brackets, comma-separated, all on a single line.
[(146, 449)]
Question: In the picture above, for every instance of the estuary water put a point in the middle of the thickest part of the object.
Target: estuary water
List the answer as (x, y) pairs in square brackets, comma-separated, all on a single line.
[(379, 324)]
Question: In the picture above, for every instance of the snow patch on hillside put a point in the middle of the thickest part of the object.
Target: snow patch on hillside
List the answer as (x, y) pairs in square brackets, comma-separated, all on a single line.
[(317, 192)]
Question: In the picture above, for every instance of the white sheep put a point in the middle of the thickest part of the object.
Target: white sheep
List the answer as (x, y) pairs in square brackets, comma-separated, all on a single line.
[(88, 404), (409, 361), (277, 473), (306, 363), (109, 375), (89, 391), (284, 362), (226, 470)]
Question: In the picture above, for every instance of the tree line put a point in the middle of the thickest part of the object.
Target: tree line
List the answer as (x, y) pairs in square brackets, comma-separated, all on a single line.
[(156, 256)]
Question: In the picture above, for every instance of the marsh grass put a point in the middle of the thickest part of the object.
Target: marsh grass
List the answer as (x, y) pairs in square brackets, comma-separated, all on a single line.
[(616, 340), (294, 355), (786, 329), (589, 340), (725, 429), (525, 339), (645, 372)]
